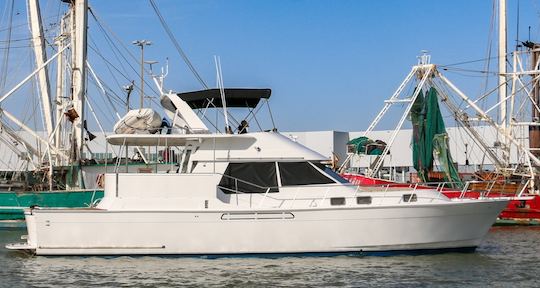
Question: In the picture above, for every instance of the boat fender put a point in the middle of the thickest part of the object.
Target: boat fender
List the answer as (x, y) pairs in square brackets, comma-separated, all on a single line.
[(34, 207), (100, 180)]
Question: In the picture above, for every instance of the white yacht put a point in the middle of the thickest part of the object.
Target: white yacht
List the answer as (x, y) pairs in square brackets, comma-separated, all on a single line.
[(250, 193)]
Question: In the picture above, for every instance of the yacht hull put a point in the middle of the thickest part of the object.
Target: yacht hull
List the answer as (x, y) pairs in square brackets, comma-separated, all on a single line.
[(454, 225)]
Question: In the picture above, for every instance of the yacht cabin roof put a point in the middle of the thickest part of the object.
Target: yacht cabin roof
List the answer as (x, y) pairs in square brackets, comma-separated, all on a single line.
[(254, 146)]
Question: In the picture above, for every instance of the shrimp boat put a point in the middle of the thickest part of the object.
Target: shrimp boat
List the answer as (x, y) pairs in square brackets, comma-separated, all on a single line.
[(55, 167), (512, 115), (50, 170), (249, 193)]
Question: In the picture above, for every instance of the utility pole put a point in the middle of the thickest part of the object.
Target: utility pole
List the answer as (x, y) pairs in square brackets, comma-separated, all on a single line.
[(142, 43)]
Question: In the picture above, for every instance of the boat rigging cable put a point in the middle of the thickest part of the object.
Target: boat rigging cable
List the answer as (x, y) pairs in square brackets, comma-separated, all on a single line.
[(177, 45), (107, 32), (8, 41)]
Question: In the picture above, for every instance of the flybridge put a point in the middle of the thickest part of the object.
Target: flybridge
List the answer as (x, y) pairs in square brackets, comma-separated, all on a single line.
[(188, 110)]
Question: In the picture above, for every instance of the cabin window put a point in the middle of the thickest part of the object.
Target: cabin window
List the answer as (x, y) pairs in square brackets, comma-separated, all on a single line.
[(331, 173), (363, 200), (193, 165), (410, 198), (337, 201), (254, 177), (301, 173)]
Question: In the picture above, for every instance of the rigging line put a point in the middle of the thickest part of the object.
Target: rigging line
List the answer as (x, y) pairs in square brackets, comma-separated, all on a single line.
[(25, 24), (120, 41), (468, 62), (120, 72), (150, 86), (443, 88), (111, 95), (111, 92), (15, 40), (27, 114), (108, 68), (494, 73), (486, 94), (5, 63), (517, 26), (15, 47), (59, 12), (109, 112), (114, 97), (177, 45), (487, 64), (123, 102), (464, 74), (112, 47)]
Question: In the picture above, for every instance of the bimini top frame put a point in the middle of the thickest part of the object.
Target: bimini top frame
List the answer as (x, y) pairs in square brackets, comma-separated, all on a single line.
[(234, 97)]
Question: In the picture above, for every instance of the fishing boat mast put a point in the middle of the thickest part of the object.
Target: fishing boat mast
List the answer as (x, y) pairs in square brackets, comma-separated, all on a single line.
[(40, 53), (503, 81), (61, 42), (79, 10)]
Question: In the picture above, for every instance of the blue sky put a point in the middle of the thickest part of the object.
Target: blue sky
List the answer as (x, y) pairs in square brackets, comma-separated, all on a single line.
[(330, 64)]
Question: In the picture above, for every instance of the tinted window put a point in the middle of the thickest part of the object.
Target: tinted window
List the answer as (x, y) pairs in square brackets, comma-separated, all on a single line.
[(409, 198), (301, 173), (337, 201), (363, 200), (331, 173), (250, 177)]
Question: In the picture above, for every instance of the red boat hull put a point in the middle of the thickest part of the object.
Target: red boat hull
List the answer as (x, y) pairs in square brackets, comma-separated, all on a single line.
[(521, 211)]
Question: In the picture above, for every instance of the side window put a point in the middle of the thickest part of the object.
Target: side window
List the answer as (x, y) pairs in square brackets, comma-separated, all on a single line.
[(363, 200), (301, 173), (337, 201), (410, 198), (254, 177), (331, 173)]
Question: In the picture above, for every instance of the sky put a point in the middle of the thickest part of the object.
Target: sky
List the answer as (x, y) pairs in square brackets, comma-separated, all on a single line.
[(330, 64)]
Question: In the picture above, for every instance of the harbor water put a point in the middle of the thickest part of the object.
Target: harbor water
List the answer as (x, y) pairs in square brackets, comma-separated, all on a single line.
[(509, 257)]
